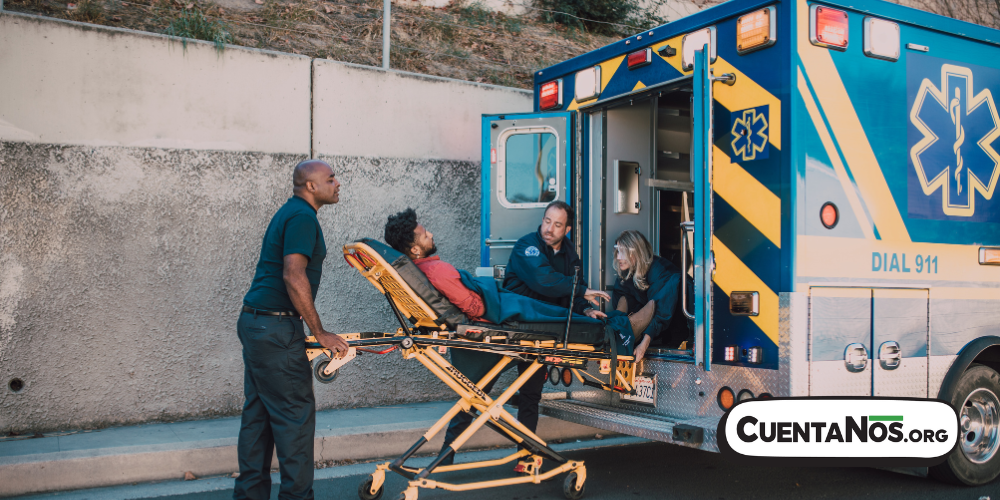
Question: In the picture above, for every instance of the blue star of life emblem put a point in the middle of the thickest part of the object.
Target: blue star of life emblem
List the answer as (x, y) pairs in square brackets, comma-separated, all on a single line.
[(750, 134), (953, 151)]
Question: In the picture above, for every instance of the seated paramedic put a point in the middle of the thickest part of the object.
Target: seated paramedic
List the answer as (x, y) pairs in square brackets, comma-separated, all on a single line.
[(403, 233), (648, 290)]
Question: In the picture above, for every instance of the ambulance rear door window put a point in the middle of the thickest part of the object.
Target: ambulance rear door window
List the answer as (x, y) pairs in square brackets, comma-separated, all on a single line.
[(531, 168)]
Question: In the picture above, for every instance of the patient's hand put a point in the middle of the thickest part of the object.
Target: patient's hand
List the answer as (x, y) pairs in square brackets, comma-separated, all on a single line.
[(594, 313), (593, 296)]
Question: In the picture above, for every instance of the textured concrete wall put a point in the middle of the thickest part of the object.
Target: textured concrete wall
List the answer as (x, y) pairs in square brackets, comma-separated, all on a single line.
[(131, 215)]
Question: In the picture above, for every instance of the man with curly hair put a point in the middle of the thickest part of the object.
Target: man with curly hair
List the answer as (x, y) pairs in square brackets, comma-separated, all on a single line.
[(406, 235)]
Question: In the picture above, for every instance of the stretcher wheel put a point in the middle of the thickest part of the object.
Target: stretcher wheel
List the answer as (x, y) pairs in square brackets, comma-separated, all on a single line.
[(569, 487), (365, 488), (318, 368)]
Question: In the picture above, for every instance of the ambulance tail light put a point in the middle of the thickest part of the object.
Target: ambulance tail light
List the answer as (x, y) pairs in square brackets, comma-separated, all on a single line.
[(640, 58), (730, 353), (755, 355), (989, 256), (550, 96), (744, 395), (567, 377), (588, 84), (828, 27), (756, 30), (726, 398), (829, 215)]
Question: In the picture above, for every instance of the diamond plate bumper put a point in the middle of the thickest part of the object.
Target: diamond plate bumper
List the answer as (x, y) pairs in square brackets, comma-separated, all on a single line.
[(644, 425)]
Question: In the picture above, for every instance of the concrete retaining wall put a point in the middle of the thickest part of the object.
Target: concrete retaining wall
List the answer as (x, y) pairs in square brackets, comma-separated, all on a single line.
[(136, 180)]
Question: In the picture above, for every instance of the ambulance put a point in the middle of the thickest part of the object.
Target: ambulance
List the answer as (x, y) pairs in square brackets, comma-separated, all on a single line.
[(824, 172)]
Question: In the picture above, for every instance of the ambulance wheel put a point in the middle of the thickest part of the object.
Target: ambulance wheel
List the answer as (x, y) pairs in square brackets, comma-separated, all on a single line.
[(318, 370), (569, 488), (365, 488), (976, 459)]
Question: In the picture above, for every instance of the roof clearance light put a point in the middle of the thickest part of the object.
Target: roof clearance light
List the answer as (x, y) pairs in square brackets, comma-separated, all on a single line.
[(755, 30), (588, 84), (828, 27), (551, 95), (695, 41), (640, 58), (881, 39), (989, 256)]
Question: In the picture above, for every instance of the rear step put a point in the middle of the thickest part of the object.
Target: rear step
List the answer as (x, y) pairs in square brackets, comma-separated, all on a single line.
[(694, 433)]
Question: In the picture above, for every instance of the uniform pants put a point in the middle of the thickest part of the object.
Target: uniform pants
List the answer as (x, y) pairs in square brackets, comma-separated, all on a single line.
[(474, 365), (280, 409)]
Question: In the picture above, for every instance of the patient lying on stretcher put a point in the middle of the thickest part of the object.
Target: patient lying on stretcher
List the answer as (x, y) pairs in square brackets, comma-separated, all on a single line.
[(483, 299)]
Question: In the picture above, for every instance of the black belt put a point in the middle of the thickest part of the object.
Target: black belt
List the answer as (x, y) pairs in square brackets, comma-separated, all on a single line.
[(261, 312)]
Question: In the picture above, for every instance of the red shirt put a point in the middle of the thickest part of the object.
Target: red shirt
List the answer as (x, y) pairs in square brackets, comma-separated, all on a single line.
[(445, 278)]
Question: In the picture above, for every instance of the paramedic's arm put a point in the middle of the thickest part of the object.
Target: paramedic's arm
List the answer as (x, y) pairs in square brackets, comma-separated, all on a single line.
[(663, 290), (297, 284), (590, 296), (538, 274)]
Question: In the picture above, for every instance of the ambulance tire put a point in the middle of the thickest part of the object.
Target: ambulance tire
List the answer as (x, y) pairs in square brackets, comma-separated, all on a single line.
[(959, 468), (365, 488), (569, 488)]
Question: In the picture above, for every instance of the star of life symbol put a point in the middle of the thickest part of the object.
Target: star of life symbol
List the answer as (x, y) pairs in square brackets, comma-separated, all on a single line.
[(749, 134), (938, 171)]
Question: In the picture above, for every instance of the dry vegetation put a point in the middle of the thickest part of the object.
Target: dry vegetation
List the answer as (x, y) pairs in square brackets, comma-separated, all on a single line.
[(461, 41)]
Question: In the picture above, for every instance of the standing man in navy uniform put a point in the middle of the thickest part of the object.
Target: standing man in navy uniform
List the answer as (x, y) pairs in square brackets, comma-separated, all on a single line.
[(541, 267), (280, 409)]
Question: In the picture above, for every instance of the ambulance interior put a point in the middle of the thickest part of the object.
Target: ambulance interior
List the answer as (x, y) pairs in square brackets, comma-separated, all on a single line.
[(649, 162)]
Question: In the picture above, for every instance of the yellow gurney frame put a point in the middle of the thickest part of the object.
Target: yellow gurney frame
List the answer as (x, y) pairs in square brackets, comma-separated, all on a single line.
[(422, 343)]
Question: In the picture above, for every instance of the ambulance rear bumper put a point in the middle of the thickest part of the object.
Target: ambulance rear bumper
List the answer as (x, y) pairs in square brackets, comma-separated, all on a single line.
[(694, 433)]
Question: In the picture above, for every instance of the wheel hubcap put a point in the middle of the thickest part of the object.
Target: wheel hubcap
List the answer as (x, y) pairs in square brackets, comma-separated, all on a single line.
[(980, 420)]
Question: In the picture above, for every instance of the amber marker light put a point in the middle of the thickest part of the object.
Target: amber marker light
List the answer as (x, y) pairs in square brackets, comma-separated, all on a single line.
[(755, 30), (567, 377), (829, 215), (989, 256), (726, 398)]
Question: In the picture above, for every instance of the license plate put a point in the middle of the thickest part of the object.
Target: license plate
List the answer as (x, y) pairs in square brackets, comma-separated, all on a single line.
[(645, 391)]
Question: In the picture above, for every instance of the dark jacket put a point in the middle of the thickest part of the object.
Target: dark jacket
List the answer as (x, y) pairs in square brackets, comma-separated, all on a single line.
[(536, 271), (664, 279)]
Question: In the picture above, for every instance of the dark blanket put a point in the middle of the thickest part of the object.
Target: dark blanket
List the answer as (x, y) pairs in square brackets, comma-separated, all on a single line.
[(504, 306)]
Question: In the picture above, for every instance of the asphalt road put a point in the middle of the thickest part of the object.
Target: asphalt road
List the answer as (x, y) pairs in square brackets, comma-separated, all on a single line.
[(653, 470)]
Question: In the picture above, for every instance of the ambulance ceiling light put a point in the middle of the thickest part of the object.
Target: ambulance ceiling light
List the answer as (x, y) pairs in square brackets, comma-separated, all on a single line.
[(588, 84), (550, 96), (828, 27), (881, 39), (640, 58), (756, 30), (695, 41)]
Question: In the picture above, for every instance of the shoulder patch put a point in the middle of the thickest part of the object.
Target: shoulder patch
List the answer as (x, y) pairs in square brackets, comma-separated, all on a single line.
[(532, 251)]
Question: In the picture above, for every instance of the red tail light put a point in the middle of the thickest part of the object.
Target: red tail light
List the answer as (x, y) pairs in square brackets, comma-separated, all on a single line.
[(828, 27), (640, 58), (551, 95)]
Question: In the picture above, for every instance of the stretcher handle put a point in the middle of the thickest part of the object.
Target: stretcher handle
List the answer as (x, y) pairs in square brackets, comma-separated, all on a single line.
[(572, 298)]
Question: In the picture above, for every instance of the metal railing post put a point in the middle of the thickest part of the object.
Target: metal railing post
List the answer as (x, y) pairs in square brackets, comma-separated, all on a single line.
[(386, 15)]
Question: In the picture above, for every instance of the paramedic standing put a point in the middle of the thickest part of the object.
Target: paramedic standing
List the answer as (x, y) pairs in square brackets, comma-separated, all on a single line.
[(280, 409), (541, 267)]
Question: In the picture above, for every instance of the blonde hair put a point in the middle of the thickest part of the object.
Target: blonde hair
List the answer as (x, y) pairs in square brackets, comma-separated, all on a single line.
[(639, 254)]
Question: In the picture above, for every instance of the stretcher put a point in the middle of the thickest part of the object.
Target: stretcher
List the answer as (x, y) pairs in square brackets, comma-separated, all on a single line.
[(429, 324)]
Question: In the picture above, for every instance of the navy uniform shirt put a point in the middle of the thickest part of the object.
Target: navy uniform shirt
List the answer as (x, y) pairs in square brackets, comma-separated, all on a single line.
[(535, 270), (294, 229), (664, 280)]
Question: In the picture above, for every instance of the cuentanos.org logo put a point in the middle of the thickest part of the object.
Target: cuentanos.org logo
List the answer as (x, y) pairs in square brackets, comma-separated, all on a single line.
[(840, 431)]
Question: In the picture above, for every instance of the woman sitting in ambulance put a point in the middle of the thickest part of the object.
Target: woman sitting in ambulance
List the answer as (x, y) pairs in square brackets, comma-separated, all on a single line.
[(647, 289)]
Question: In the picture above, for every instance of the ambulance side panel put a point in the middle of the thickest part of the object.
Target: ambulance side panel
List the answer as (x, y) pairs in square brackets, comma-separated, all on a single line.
[(909, 153)]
